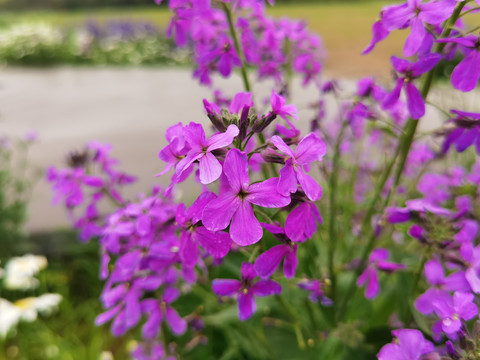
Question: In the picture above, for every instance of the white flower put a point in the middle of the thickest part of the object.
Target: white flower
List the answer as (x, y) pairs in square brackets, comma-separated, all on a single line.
[(20, 271), (9, 316), (47, 303)]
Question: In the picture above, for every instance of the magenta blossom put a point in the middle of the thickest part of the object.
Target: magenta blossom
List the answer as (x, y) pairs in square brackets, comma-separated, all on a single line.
[(246, 290), (410, 71), (301, 223), (311, 148), (453, 310), (409, 345), (467, 132), (416, 13), (267, 263), (315, 288), (466, 74), (193, 233), (280, 108), (236, 198), (377, 261), (201, 150)]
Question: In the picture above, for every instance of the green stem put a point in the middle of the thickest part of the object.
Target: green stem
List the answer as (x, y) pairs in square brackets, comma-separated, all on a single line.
[(401, 152), (332, 238), (236, 43), (296, 321)]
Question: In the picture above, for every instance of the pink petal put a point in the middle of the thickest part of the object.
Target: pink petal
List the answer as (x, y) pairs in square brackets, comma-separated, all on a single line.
[(265, 194), (415, 39), (280, 145), (176, 323), (288, 180), (210, 168), (235, 169), (226, 287), (218, 213), (195, 136), (245, 228), (466, 74), (311, 148), (290, 263), (221, 140), (216, 244), (266, 288), (309, 185), (267, 263), (415, 104), (246, 305)]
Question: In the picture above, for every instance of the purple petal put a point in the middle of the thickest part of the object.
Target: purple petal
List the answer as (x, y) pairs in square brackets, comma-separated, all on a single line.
[(372, 286), (466, 140), (473, 280), (176, 323), (288, 180), (266, 288), (415, 104), (434, 272), (221, 140), (466, 74), (397, 16), (265, 194), (290, 263), (107, 315), (236, 170), (246, 305), (425, 64), (301, 223), (415, 39), (436, 12), (464, 306), (195, 136), (218, 213), (424, 303), (311, 148), (400, 65), (280, 145), (216, 244), (378, 34), (210, 168), (188, 250), (267, 263), (196, 209), (309, 185), (151, 328), (245, 228), (226, 287), (392, 98), (240, 100)]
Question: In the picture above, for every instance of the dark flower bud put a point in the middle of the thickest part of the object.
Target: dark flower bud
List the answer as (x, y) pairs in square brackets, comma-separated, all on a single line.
[(243, 123), (262, 123)]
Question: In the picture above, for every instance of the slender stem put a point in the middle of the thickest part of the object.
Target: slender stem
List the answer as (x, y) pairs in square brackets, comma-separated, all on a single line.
[(401, 152), (296, 321), (236, 43), (332, 238), (416, 280)]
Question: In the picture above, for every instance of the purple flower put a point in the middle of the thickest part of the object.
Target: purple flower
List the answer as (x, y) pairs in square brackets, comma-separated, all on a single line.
[(466, 74), (246, 290), (311, 148), (471, 255), (215, 243), (267, 263), (435, 275), (158, 311), (223, 55), (409, 345), (415, 14), (301, 223), (236, 198), (453, 310), (280, 108), (410, 71), (377, 261), (314, 287), (467, 132), (201, 150), (379, 32)]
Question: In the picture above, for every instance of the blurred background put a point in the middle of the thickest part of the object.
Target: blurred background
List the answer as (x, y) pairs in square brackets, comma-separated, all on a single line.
[(79, 70)]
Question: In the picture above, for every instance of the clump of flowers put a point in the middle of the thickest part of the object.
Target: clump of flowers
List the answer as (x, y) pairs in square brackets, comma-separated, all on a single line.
[(332, 204)]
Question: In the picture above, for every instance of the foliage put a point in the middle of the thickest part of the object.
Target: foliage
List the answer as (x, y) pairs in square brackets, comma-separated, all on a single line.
[(117, 43)]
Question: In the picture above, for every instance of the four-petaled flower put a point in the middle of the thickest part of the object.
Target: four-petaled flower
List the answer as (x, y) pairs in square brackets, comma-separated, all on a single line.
[(246, 290), (236, 198), (410, 71)]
